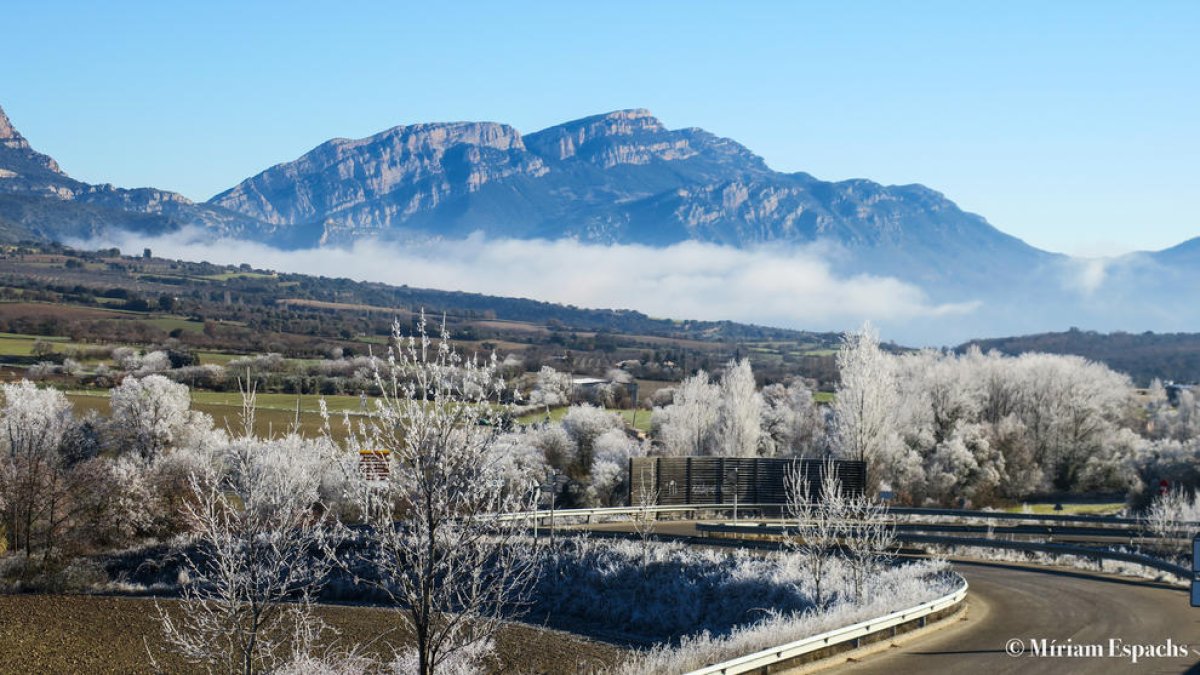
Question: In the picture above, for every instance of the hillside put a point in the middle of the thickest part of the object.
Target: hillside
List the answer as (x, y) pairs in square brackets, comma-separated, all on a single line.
[(103, 296), (1143, 356)]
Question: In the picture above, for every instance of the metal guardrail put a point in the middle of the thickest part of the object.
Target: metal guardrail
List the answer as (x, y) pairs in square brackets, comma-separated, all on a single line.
[(1045, 547), (898, 510), (1131, 527), (1004, 515), (588, 514), (808, 645)]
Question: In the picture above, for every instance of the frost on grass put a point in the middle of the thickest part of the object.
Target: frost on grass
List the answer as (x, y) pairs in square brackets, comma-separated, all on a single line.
[(704, 606), (742, 620), (1121, 567)]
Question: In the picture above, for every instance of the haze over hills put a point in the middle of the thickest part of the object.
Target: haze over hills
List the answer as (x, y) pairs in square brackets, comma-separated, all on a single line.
[(844, 250)]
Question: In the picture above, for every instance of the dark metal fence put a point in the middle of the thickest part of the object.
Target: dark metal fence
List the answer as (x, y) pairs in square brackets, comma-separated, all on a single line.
[(716, 480)]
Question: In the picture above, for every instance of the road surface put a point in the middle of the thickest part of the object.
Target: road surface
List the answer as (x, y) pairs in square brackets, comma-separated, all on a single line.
[(1072, 607)]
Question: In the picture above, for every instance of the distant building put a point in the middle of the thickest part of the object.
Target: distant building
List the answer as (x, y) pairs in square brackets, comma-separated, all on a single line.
[(1174, 389), (586, 383)]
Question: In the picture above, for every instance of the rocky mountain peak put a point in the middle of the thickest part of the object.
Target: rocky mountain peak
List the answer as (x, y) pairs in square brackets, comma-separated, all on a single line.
[(618, 137), (9, 136), (18, 158), (442, 135), (418, 165)]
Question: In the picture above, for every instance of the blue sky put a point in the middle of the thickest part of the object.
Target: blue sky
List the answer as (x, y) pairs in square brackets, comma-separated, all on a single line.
[(1070, 124)]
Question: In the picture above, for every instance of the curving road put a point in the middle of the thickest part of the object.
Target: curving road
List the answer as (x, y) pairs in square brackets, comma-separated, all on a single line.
[(1010, 601), (1073, 607)]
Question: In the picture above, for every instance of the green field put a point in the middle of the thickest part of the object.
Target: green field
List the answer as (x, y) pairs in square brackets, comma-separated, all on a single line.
[(216, 358), (556, 414), (286, 402), (170, 323), (13, 344), (268, 422), (1080, 509)]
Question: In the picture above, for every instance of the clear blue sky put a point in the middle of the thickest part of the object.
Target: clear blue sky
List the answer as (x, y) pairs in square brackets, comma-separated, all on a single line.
[(1070, 124)]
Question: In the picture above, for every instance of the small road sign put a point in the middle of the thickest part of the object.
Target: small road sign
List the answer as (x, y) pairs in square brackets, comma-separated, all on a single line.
[(1196, 571)]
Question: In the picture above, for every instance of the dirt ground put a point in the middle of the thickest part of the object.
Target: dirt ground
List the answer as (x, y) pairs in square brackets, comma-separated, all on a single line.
[(94, 635)]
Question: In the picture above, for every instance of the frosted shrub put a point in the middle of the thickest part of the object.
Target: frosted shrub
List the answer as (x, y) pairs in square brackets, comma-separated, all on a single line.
[(1174, 515), (552, 389), (470, 660), (42, 369), (555, 444), (258, 364), (610, 468)]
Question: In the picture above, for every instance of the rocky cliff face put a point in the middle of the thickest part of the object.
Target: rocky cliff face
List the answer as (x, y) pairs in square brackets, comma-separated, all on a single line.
[(394, 174), (21, 167), (39, 201), (617, 177)]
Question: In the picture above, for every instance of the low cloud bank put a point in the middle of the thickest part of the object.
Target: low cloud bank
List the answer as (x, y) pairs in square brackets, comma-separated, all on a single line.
[(788, 287)]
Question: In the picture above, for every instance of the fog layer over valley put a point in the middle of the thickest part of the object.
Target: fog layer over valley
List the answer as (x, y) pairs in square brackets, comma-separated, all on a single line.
[(819, 286)]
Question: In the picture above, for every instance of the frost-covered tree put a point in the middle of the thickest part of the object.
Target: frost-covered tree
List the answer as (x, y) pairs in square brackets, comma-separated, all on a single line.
[(865, 419), (867, 535), (688, 426), (260, 530), (556, 445), (149, 415), (792, 424), (552, 388), (740, 414), (813, 521), (435, 540), (584, 424), (610, 469), (34, 486), (1175, 516)]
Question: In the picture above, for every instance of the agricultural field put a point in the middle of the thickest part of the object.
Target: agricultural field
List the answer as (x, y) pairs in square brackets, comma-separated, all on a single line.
[(225, 409), (639, 419), (1070, 508), (170, 323), (12, 344), (99, 634)]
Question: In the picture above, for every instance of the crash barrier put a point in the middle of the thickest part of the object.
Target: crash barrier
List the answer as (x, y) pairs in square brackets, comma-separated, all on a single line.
[(849, 636)]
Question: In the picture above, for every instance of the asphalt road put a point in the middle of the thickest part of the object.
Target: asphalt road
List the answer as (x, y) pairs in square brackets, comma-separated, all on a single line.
[(1071, 608)]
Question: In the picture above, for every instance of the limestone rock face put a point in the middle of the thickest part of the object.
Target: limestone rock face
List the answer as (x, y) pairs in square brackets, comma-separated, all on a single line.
[(394, 175), (39, 201), (619, 177), (21, 164)]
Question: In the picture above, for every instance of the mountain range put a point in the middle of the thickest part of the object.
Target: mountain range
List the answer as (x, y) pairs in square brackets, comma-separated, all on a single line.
[(616, 178)]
